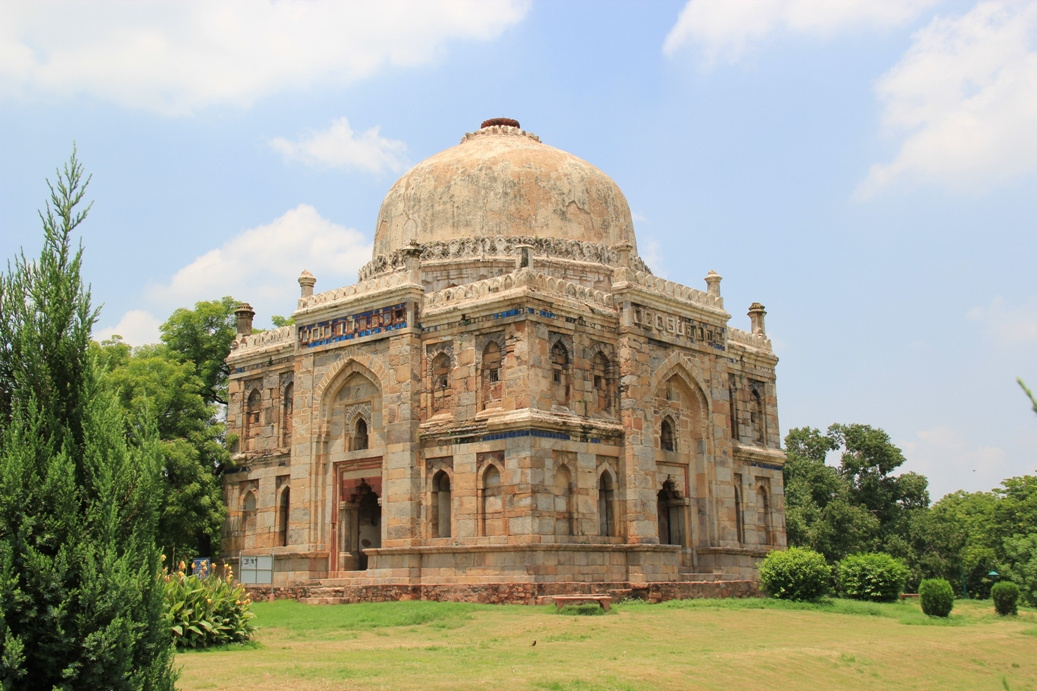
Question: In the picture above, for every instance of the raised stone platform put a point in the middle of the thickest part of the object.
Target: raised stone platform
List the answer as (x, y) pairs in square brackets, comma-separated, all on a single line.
[(335, 591)]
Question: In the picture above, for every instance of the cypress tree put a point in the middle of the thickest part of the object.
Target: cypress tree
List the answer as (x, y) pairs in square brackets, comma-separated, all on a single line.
[(81, 606)]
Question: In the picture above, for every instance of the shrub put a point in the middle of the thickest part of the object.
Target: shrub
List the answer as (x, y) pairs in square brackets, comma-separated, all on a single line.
[(795, 574), (937, 597), (873, 577), (204, 611), (1006, 596)]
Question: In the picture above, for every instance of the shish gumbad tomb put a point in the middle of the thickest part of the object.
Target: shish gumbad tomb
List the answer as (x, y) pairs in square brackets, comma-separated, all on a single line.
[(506, 405)]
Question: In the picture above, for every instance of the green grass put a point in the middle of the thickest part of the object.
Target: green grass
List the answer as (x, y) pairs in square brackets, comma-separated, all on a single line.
[(330, 621), (721, 644), (903, 612)]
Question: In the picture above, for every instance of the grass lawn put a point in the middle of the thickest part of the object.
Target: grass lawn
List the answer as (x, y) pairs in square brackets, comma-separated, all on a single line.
[(724, 644)]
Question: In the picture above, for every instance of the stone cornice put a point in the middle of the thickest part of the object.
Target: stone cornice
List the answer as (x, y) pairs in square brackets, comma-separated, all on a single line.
[(521, 282), (377, 290), (489, 423), (263, 343), (749, 340), (757, 454), (634, 285)]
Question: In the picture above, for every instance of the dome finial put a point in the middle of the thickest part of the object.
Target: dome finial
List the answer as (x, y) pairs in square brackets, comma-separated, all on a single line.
[(504, 122)]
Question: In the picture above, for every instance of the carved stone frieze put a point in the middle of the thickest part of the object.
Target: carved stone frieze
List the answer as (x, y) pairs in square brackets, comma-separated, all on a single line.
[(499, 246)]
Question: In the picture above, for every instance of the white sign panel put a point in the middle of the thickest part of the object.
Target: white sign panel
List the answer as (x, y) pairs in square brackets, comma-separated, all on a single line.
[(256, 570)]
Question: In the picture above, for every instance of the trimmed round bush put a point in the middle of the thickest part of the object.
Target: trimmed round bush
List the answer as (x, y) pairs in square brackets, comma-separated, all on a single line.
[(794, 574), (1006, 598), (937, 597), (872, 577)]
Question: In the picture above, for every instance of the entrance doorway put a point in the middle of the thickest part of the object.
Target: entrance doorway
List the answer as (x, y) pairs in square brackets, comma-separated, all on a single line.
[(368, 523), (671, 515)]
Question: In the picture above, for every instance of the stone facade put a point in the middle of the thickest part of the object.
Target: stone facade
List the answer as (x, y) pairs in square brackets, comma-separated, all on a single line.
[(507, 401)]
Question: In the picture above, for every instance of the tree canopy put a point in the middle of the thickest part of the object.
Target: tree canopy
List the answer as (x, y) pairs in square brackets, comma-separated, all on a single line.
[(865, 504), (860, 505), (203, 336), (155, 386)]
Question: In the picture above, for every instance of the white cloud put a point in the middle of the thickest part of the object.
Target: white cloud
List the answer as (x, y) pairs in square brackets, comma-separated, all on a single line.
[(651, 253), (950, 462), (965, 96), (340, 147), (723, 30), (1009, 324), (262, 265), (137, 327), (177, 57)]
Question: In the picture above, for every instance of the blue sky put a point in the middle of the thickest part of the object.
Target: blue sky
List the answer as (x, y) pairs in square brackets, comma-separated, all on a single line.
[(866, 169)]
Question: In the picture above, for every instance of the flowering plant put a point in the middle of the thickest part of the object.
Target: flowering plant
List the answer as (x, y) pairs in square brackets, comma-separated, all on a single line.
[(207, 609)]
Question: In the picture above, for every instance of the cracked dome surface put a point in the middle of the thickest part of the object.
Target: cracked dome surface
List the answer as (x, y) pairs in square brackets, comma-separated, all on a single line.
[(502, 181)]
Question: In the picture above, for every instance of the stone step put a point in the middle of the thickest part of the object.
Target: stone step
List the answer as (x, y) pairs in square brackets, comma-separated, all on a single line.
[(324, 600), (699, 577), (345, 579)]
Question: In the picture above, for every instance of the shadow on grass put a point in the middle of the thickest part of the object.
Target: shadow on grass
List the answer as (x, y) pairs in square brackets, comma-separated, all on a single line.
[(226, 648), (584, 610)]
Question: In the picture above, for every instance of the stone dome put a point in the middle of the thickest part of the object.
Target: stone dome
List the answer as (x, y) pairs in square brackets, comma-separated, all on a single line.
[(502, 181)]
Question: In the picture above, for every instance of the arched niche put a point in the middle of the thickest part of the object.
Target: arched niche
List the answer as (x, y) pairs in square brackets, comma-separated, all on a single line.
[(353, 413)]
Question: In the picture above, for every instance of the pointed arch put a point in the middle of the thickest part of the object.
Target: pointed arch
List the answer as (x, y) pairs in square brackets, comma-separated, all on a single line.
[(340, 372), (678, 365), (562, 489), (359, 438), (561, 359), (491, 501), (287, 411), (440, 504), (283, 515), (347, 394), (739, 515), (491, 365), (757, 420), (670, 514), (603, 383), (668, 434), (248, 507), (441, 367), (763, 512), (253, 418), (606, 503)]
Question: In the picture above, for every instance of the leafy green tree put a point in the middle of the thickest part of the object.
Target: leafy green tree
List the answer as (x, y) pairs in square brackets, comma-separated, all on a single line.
[(203, 336), (1015, 515), (957, 540), (81, 605), (867, 463), (278, 321), (859, 506), (1021, 565), (153, 384)]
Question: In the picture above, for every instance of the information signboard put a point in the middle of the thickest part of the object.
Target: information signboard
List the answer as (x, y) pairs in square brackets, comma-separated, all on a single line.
[(256, 570), (201, 567)]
